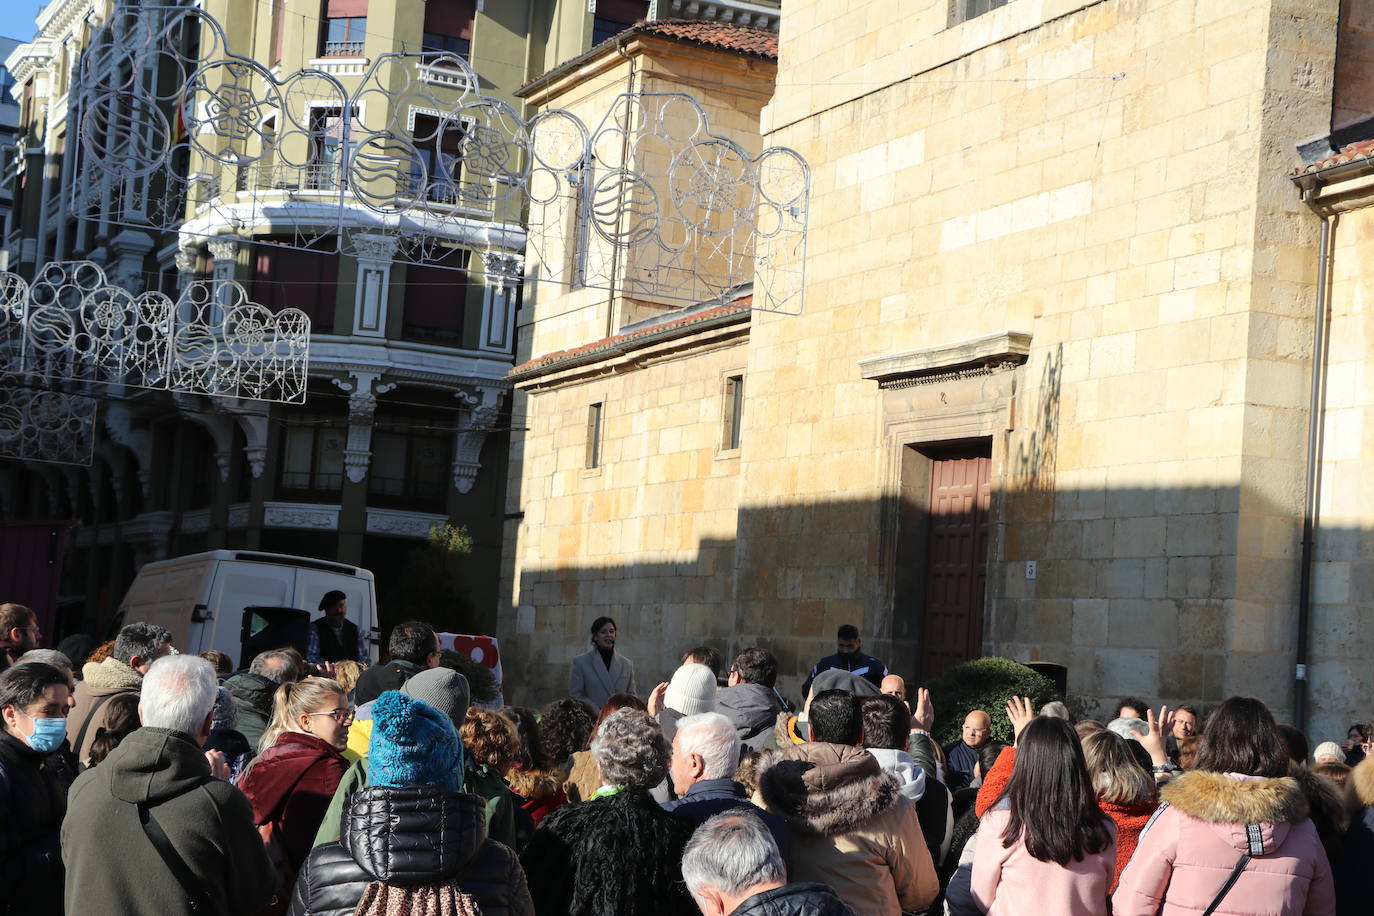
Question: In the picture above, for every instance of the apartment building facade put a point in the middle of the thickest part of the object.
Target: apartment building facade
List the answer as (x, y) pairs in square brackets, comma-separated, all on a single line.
[(406, 419)]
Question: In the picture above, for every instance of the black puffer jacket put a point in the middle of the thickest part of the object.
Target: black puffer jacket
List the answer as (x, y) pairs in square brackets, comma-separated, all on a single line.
[(33, 801), (410, 837), (795, 900)]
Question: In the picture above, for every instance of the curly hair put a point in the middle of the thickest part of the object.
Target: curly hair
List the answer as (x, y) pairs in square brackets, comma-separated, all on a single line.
[(618, 701), (490, 739), (566, 727), (526, 722), (630, 749), (101, 652)]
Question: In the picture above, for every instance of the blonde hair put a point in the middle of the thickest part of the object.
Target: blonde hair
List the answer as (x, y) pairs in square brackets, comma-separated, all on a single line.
[(1116, 775), (347, 674), (294, 698)]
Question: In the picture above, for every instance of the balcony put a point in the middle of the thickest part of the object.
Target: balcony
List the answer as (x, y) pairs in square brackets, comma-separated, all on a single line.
[(319, 176), (342, 49)]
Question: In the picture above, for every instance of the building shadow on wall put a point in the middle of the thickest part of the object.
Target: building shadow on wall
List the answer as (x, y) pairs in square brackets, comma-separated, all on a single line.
[(1166, 592)]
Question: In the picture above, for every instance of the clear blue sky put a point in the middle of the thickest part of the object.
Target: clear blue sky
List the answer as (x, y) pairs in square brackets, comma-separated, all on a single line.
[(16, 18)]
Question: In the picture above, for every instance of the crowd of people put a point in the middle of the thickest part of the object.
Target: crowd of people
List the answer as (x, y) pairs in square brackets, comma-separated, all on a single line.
[(142, 780)]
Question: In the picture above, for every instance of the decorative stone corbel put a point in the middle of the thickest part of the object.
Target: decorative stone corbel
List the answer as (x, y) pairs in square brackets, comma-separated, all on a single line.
[(220, 426), (119, 424), (186, 259), (362, 409), (128, 249), (477, 420), (252, 418)]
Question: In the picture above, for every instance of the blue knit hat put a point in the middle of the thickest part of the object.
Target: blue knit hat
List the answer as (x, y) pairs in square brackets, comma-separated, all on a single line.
[(413, 744)]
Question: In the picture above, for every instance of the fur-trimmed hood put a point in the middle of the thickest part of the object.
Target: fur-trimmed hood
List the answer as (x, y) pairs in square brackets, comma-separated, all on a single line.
[(110, 674), (827, 789), (1231, 802), (1359, 788)]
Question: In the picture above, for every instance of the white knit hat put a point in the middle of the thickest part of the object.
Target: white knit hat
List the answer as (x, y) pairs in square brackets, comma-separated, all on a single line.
[(691, 691), (1331, 748)]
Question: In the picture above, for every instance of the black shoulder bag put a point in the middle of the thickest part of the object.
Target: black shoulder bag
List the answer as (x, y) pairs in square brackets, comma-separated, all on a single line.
[(1252, 832), (195, 891)]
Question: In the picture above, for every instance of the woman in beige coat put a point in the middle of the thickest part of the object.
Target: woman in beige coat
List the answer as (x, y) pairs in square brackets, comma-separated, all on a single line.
[(601, 671)]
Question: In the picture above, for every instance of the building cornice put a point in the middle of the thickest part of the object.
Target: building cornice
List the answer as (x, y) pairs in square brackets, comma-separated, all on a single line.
[(402, 361), (991, 350)]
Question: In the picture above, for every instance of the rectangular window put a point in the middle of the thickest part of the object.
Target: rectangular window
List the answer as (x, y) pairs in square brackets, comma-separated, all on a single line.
[(312, 458), (436, 300), (734, 411), (408, 469), (439, 144), (329, 146), (448, 27), (615, 16), (964, 10), (593, 436), (343, 36), (291, 278)]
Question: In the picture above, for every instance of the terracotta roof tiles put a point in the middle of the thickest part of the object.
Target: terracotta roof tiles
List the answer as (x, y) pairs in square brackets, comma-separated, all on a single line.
[(1364, 149), (742, 38), (738, 307)]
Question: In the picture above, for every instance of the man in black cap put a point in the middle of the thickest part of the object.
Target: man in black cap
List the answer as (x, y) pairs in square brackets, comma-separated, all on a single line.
[(335, 638)]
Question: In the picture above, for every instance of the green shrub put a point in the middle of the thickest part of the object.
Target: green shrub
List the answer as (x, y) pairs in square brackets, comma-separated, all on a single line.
[(481, 682), (986, 684)]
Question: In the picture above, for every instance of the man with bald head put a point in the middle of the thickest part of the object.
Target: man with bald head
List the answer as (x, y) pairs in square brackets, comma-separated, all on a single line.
[(894, 686), (962, 755)]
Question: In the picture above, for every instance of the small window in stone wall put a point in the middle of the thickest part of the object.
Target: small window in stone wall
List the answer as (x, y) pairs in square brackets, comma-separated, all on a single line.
[(593, 436), (732, 413), (964, 10)]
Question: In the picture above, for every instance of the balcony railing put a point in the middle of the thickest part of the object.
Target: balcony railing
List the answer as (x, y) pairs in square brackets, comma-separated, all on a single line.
[(342, 49), (320, 176)]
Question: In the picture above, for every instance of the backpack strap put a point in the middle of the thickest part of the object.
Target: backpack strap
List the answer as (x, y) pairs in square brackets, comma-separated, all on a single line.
[(196, 893)]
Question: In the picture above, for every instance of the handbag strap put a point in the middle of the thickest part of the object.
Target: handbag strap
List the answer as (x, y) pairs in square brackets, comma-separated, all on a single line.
[(196, 893), (1256, 841), (90, 717)]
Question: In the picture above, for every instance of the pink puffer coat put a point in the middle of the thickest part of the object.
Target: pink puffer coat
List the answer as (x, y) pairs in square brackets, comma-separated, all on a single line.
[(1187, 853)]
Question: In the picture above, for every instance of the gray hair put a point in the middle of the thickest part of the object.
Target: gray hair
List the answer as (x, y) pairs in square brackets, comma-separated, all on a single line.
[(178, 693), (226, 710), (47, 657), (1129, 727), (712, 736), (1056, 710), (275, 665), (731, 852), (630, 749), (141, 639)]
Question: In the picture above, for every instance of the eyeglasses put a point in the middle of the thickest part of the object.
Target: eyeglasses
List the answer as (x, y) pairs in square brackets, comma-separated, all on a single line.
[(342, 716)]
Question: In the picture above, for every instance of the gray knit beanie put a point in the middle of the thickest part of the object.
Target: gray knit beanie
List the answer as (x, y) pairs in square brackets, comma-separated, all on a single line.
[(444, 689)]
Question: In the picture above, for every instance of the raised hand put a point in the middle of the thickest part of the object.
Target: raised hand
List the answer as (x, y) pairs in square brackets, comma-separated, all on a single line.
[(219, 765), (1020, 712), (924, 716), (656, 699), (1153, 740)]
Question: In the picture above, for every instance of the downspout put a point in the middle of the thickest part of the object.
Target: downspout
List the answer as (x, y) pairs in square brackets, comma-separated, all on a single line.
[(1321, 320)]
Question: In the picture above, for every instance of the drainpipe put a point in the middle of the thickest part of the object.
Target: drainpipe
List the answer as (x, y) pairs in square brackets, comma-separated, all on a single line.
[(1312, 485)]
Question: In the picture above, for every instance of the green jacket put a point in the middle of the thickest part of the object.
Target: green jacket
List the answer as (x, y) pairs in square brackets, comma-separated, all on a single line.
[(918, 746), (112, 865), (480, 781)]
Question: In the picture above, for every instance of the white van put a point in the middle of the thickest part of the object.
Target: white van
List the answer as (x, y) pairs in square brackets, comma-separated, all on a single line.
[(201, 598)]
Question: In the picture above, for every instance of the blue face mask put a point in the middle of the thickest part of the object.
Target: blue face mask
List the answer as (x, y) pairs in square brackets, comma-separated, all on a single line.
[(48, 734)]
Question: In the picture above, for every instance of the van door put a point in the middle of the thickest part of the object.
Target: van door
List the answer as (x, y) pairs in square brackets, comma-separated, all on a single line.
[(239, 585)]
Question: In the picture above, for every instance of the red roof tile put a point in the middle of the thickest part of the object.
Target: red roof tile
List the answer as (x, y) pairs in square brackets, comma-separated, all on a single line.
[(737, 307), (1364, 149), (742, 38)]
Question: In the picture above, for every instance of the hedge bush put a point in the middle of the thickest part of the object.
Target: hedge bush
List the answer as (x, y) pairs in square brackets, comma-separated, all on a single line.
[(986, 684), (481, 682)]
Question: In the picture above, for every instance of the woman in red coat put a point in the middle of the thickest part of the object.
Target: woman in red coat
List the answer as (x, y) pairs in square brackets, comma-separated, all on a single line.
[(292, 781), (1125, 791)]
